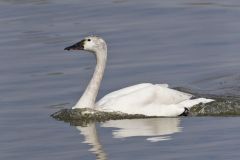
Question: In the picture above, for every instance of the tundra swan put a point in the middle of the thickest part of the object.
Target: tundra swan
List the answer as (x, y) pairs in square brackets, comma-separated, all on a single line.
[(146, 98)]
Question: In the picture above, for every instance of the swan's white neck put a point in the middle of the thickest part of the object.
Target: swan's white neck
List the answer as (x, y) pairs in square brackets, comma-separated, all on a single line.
[(89, 96)]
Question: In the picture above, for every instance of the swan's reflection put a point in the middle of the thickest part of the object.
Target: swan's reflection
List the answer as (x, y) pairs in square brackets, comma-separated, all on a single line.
[(91, 137), (155, 129)]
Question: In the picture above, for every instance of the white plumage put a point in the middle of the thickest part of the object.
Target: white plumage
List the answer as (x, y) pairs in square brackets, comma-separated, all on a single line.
[(146, 98)]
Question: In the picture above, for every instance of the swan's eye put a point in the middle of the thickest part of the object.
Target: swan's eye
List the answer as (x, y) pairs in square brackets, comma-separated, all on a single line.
[(89, 40)]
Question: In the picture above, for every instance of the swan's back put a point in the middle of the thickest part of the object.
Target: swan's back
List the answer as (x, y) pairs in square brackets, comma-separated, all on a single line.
[(147, 92), (122, 92)]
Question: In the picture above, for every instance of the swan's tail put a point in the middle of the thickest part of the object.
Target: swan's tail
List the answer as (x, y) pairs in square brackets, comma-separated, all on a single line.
[(190, 103)]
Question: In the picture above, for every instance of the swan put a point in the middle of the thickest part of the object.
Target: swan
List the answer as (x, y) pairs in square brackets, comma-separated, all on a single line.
[(145, 98)]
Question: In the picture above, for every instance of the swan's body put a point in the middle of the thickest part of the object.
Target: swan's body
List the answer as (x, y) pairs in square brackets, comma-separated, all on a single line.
[(148, 99)]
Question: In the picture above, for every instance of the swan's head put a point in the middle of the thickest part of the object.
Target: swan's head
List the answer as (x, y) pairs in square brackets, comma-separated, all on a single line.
[(89, 43)]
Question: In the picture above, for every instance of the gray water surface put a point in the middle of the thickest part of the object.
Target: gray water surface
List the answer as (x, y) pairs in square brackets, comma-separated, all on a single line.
[(185, 43)]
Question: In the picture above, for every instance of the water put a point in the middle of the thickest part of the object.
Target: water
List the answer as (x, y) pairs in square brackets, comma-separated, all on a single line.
[(184, 43)]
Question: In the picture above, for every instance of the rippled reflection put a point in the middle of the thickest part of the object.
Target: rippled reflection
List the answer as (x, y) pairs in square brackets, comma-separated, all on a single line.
[(155, 129), (91, 137)]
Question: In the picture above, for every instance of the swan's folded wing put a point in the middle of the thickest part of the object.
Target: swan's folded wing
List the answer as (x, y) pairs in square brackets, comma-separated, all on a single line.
[(169, 96), (122, 92), (144, 94)]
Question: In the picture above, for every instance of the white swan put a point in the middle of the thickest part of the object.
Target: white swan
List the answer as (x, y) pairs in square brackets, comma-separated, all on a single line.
[(147, 99)]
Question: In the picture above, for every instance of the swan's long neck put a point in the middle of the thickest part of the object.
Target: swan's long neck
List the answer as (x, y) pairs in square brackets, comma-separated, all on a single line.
[(89, 96)]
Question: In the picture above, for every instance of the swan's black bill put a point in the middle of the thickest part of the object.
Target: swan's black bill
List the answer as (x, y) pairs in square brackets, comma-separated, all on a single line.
[(77, 46)]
